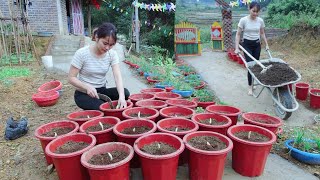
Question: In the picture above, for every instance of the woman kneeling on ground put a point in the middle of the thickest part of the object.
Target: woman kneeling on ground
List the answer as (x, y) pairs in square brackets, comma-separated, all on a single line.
[(89, 67)]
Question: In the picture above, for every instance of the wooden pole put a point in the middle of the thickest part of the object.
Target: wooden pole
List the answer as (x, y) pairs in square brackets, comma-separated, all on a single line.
[(89, 20), (16, 24), (23, 31), (137, 26), (13, 27)]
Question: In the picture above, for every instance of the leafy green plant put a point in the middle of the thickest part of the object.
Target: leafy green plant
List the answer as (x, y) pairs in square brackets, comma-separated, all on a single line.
[(203, 95), (7, 72), (200, 110), (305, 141)]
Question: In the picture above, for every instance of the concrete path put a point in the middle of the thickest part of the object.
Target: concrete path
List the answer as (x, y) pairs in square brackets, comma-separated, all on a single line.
[(228, 80)]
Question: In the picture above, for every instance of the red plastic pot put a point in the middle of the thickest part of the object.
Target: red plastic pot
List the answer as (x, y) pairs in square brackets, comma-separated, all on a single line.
[(249, 158), (80, 116), (178, 122), (234, 56), (50, 86), (272, 123), (105, 135), (207, 164), (152, 90), (239, 60), (171, 111), (151, 80), (201, 86), (182, 103), (130, 138), (203, 104), (142, 96), (169, 88), (156, 104), (229, 111), (43, 99), (302, 90), (167, 95), (159, 167), (68, 165), (47, 127), (315, 98), (105, 108), (143, 110), (119, 170), (222, 129)]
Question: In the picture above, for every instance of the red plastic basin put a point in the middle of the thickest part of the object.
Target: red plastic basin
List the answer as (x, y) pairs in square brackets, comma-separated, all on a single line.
[(50, 86), (229, 111), (156, 104), (222, 129), (105, 135), (182, 103), (68, 166), (315, 98), (105, 107), (83, 116), (302, 90), (47, 127), (119, 170), (167, 95), (153, 113), (142, 96), (270, 122), (175, 111), (43, 99)]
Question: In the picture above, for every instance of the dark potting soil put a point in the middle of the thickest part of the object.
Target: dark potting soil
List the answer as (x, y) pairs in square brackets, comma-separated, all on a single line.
[(213, 122), (277, 74), (58, 130), (84, 117), (177, 128), (265, 121), (105, 159), (71, 146), (178, 115), (136, 130), (158, 148), (98, 127), (207, 143), (302, 146), (254, 136), (142, 115)]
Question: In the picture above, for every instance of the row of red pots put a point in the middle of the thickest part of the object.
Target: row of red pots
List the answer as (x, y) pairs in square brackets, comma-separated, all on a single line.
[(165, 166), (234, 57), (302, 92)]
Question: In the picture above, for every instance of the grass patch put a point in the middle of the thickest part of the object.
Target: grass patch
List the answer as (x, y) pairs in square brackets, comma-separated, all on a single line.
[(8, 72)]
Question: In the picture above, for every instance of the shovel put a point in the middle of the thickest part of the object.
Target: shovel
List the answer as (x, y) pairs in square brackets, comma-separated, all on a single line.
[(106, 99), (264, 68)]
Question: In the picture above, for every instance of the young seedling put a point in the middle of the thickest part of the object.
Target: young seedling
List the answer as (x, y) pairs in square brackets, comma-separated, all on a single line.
[(139, 115), (55, 134), (101, 125), (249, 134), (208, 143), (88, 116), (134, 129), (110, 156), (176, 130), (210, 121), (158, 145)]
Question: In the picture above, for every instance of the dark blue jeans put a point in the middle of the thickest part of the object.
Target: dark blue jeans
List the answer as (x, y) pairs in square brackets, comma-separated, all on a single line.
[(85, 102), (254, 48)]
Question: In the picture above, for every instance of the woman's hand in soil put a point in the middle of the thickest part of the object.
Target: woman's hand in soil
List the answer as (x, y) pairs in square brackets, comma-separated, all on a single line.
[(92, 92), (121, 103)]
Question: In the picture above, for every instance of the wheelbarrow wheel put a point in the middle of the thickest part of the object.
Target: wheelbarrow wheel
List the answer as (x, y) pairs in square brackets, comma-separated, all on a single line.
[(285, 100)]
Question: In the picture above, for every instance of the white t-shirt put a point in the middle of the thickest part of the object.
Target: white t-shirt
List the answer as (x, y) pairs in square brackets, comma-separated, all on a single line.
[(251, 28), (93, 70)]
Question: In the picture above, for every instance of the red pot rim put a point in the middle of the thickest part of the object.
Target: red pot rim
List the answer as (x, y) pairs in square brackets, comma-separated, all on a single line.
[(214, 115), (158, 95), (143, 101), (103, 148), (118, 133), (178, 107), (196, 127), (302, 85), (99, 119), (58, 87), (69, 116), (152, 90), (229, 114), (132, 96), (45, 96), (202, 84), (38, 135), (313, 91), (246, 117), (129, 105), (156, 112), (171, 103), (159, 157), (208, 133), (233, 137), (68, 155)]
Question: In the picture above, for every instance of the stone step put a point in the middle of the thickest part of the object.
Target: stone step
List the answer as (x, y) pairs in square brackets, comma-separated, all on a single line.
[(65, 52), (70, 47)]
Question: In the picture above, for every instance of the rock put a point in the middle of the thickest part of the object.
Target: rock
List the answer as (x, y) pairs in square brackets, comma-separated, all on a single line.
[(8, 161), (50, 168), (317, 174)]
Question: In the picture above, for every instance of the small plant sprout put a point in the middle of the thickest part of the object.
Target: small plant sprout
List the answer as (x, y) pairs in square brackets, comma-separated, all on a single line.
[(158, 145), (249, 134), (176, 130), (208, 143), (88, 116), (134, 129), (110, 156), (139, 115), (101, 125), (210, 121), (55, 134)]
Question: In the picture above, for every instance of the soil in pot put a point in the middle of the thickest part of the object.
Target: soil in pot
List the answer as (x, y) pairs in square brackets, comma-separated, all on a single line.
[(140, 115), (84, 117), (136, 130), (212, 121), (176, 115), (108, 158), (98, 127), (71, 146), (277, 74), (57, 131), (262, 121), (252, 136), (177, 128), (207, 143), (158, 148)]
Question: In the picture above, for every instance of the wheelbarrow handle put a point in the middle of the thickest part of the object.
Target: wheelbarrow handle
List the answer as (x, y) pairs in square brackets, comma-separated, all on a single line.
[(258, 62), (269, 53)]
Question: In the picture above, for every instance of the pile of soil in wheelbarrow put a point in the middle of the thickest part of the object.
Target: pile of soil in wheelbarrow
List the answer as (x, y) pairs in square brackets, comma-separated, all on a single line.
[(277, 74)]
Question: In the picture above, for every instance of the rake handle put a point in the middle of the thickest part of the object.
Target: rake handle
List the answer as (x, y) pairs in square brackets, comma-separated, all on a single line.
[(258, 62)]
